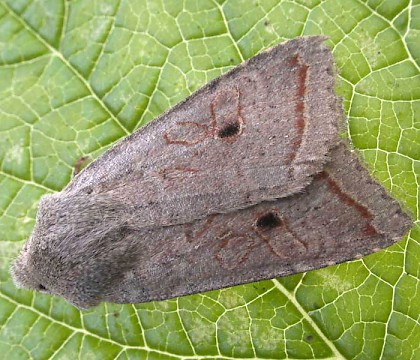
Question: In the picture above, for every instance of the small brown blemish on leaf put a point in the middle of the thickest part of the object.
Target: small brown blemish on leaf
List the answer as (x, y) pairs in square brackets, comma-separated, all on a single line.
[(79, 165), (309, 338)]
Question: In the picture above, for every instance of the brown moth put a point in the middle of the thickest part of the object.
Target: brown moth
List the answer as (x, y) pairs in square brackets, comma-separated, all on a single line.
[(245, 180)]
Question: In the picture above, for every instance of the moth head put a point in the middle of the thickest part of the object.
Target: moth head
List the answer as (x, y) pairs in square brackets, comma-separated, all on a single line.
[(73, 251)]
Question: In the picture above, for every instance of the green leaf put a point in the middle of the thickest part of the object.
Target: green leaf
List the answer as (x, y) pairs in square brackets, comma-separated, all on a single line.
[(77, 76)]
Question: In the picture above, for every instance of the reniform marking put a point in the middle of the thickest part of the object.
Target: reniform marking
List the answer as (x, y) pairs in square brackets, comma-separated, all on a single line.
[(229, 130), (268, 221)]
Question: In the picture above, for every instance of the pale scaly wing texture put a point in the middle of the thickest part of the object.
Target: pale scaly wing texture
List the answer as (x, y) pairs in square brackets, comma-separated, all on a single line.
[(341, 216), (261, 132)]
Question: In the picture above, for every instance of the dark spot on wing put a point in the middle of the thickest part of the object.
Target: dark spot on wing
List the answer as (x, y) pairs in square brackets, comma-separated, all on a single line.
[(268, 221), (229, 130)]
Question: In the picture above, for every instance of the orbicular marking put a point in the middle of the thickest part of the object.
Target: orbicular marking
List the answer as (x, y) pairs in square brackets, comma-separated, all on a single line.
[(186, 133), (195, 232), (234, 250), (172, 177)]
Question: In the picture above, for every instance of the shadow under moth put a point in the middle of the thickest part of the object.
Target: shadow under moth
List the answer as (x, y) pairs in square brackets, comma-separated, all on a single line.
[(245, 180)]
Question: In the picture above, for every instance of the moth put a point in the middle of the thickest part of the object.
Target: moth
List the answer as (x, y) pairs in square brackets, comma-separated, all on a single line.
[(245, 180)]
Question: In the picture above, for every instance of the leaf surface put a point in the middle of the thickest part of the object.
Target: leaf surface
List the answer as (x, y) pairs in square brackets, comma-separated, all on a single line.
[(77, 76)]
